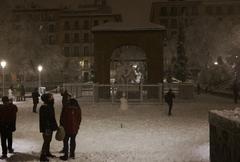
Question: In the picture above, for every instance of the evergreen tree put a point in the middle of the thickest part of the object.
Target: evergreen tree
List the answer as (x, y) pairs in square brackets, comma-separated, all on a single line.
[(180, 66)]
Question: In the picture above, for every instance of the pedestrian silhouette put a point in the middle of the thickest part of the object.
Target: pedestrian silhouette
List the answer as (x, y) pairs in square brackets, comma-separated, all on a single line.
[(169, 100)]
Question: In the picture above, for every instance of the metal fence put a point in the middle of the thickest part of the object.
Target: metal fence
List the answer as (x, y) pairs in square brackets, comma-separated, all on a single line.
[(141, 93)]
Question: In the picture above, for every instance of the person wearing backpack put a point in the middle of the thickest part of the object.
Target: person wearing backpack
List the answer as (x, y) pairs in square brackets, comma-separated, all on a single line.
[(169, 100)]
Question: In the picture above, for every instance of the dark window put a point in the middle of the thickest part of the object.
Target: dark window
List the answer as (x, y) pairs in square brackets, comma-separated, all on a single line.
[(163, 11), (51, 17), (66, 25), (173, 33), (86, 51), (76, 25), (174, 23), (173, 11), (86, 37), (96, 22), (105, 21), (76, 51), (86, 24), (51, 28), (67, 51), (219, 10), (76, 37), (183, 11), (231, 10), (51, 39), (194, 11), (209, 10), (67, 38)]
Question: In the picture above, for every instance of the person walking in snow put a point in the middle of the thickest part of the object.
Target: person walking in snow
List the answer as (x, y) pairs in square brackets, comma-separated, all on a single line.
[(47, 124), (8, 115), (169, 100), (70, 119), (35, 96)]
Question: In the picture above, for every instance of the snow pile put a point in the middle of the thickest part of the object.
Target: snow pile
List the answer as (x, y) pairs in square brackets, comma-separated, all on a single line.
[(143, 133), (233, 115)]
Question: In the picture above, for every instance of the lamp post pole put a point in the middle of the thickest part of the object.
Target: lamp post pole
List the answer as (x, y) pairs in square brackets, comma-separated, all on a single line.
[(3, 65), (39, 76)]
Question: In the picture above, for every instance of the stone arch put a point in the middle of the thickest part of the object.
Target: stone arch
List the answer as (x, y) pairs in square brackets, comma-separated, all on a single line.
[(110, 36)]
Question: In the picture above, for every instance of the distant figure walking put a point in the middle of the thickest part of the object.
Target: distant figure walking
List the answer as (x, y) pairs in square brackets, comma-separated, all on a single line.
[(169, 100), (22, 92), (8, 115), (35, 96), (235, 92), (47, 124), (71, 118)]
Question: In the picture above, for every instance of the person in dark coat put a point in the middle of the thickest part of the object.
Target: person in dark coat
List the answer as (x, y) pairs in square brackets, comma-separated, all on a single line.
[(8, 115), (22, 92), (235, 92), (35, 96), (65, 98), (169, 100), (71, 119), (47, 124)]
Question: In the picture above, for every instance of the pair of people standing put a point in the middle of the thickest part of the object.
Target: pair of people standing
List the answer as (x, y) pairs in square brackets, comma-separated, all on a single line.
[(70, 120), (8, 115)]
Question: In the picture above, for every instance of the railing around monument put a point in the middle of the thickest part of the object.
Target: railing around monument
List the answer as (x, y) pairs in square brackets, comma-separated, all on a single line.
[(113, 92)]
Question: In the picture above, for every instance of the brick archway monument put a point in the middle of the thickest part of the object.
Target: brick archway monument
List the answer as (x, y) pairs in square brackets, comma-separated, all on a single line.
[(110, 36)]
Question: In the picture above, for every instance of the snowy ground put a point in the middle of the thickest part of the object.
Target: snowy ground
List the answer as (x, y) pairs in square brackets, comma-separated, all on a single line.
[(147, 133)]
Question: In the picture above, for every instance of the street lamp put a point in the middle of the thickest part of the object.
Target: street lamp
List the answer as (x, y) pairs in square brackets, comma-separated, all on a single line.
[(3, 65), (215, 63), (39, 75)]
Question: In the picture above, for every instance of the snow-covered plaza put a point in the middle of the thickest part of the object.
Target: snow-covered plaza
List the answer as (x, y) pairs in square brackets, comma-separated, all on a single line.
[(143, 133)]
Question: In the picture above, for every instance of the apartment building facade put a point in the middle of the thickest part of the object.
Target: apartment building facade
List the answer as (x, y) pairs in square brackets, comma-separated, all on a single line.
[(172, 13), (69, 29)]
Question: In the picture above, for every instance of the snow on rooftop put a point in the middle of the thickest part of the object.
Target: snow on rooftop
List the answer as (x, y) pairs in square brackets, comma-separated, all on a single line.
[(128, 27)]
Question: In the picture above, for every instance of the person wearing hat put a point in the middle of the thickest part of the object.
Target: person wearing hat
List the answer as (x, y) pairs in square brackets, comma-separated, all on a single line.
[(8, 114), (47, 124)]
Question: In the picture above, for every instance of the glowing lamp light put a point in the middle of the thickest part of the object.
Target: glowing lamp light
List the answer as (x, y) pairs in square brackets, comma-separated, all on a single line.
[(40, 68), (215, 63), (3, 64)]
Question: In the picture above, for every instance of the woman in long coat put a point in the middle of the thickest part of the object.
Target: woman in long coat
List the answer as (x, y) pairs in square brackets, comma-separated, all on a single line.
[(70, 119)]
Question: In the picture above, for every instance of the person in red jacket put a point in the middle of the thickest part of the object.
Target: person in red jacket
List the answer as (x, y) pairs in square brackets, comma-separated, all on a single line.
[(71, 119)]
